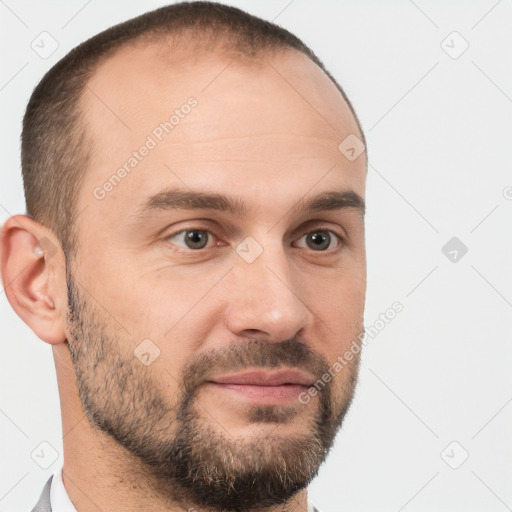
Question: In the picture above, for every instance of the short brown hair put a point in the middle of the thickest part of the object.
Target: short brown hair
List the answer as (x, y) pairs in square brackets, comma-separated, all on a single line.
[(54, 149)]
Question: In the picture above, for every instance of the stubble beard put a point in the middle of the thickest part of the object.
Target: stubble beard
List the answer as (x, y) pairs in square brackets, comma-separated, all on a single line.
[(188, 457)]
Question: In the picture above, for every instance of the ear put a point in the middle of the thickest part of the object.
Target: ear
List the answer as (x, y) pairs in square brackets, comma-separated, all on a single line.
[(34, 276)]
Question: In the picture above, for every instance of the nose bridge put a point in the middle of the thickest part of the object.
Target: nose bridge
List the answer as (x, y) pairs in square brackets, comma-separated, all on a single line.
[(265, 297)]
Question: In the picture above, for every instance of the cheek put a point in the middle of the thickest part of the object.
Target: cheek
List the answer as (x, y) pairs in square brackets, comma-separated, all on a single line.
[(340, 305), (166, 312), (147, 301), (344, 290), (176, 314)]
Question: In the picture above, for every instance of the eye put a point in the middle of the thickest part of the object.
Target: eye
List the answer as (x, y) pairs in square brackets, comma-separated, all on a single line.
[(190, 238), (320, 240)]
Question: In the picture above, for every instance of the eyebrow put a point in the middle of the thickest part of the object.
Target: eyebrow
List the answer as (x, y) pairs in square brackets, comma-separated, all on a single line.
[(180, 199)]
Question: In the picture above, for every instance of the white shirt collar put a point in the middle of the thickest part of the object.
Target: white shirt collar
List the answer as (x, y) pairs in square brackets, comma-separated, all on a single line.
[(60, 501)]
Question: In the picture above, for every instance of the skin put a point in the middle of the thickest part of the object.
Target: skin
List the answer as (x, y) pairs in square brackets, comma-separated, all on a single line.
[(249, 129)]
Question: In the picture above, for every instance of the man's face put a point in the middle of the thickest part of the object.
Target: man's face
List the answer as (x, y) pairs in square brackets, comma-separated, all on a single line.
[(173, 306)]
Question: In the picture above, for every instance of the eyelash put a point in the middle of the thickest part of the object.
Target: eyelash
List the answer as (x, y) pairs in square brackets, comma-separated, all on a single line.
[(337, 237)]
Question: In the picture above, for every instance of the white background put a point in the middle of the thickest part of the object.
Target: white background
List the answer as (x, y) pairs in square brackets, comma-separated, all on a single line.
[(439, 135)]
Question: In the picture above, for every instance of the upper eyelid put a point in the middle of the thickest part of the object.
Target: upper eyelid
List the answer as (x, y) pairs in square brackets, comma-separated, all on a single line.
[(302, 232), (341, 239), (305, 227), (192, 228)]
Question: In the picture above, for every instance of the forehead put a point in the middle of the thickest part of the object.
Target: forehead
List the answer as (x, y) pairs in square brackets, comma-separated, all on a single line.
[(211, 122), (141, 83)]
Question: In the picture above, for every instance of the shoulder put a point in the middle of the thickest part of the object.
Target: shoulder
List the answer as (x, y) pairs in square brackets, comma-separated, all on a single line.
[(43, 504)]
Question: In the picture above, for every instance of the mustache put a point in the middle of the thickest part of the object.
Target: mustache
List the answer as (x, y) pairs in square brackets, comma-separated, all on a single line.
[(249, 353)]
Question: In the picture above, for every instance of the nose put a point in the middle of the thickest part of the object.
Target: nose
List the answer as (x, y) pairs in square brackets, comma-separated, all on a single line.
[(266, 299)]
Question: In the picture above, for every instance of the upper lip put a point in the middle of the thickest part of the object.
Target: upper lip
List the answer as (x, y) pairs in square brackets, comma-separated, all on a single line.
[(267, 377)]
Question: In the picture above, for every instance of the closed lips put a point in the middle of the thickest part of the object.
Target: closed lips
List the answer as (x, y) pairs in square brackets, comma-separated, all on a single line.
[(266, 378)]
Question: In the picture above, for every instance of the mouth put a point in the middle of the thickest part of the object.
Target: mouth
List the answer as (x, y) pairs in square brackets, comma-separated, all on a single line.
[(262, 387)]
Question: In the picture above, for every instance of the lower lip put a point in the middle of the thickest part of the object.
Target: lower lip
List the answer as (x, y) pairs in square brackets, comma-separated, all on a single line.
[(263, 395)]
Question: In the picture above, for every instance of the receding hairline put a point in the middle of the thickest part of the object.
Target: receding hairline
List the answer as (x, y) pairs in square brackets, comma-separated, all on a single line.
[(174, 49)]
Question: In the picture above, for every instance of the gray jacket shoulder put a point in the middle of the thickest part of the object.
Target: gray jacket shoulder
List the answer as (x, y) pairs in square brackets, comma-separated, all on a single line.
[(43, 505)]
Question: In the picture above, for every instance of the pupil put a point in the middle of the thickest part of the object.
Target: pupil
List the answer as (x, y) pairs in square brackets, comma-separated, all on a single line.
[(320, 240), (196, 239)]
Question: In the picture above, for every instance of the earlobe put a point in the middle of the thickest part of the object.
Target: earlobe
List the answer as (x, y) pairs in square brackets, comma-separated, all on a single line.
[(34, 277)]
